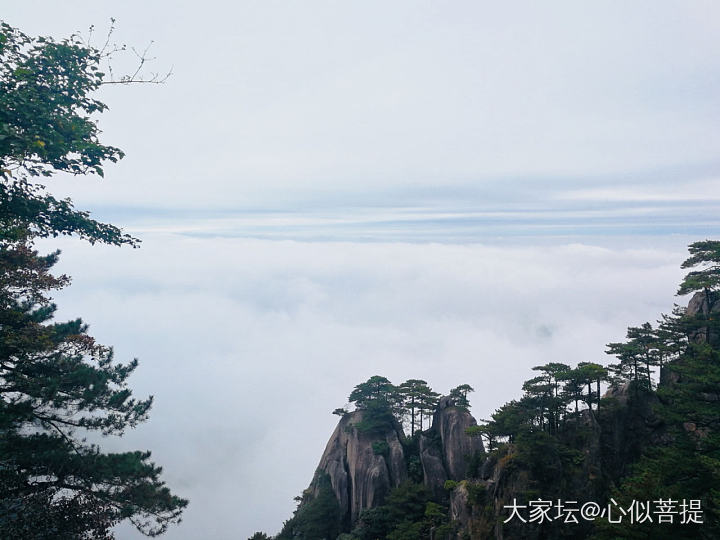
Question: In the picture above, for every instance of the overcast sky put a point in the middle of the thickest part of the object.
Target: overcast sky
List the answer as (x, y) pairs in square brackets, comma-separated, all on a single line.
[(332, 190)]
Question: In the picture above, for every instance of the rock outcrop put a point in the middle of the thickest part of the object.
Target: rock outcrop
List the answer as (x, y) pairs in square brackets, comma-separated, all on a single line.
[(363, 467), (451, 423), (705, 305), (431, 458)]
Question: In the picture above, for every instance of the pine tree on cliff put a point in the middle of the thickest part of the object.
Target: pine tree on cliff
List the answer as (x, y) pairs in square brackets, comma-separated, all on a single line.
[(380, 401), (630, 366), (459, 395), (376, 390), (427, 406), (644, 349), (705, 256), (416, 396), (548, 388)]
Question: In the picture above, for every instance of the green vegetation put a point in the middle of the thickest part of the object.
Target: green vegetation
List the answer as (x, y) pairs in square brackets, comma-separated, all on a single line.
[(408, 514), (661, 442), (654, 436), (418, 401), (410, 404), (704, 255), (56, 382), (318, 515)]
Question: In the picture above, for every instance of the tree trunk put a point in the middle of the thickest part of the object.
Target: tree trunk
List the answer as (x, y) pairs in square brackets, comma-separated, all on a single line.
[(412, 417)]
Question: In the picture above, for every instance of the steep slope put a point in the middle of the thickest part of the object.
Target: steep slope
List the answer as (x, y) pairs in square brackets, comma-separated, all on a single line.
[(360, 466), (363, 466)]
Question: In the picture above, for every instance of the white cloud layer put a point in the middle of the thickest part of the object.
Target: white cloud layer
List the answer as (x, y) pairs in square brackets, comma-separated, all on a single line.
[(249, 344), (274, 100)]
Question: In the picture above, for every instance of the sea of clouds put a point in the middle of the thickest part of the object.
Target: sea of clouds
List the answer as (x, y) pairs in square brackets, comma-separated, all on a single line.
[(249, 344)]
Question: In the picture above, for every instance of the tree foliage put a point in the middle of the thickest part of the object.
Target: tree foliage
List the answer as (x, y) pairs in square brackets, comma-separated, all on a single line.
[(47, 126), (57, 384), (316, 517), (418, 402), (408, 513), (704, 255)]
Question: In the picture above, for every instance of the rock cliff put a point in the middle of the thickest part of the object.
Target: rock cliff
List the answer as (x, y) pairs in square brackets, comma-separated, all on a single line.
[(705, 305), (458, 449), (363, 466)]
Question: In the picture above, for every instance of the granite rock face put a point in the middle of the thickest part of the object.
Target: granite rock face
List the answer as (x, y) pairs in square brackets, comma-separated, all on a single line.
[(705, 305), (458, 448), (431, 458), (362, 467)]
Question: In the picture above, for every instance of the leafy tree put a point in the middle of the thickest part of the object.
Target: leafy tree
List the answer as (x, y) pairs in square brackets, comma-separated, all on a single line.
[(687, 465), (47, 126), (671, 337), (56, 382)]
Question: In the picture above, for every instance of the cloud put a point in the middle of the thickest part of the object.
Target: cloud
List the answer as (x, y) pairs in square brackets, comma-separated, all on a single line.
[(248, 345), (703, 191), (274, 101)]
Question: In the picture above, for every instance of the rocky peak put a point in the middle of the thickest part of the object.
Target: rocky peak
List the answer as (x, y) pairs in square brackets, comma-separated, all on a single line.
[(362, 466), (451, 423)]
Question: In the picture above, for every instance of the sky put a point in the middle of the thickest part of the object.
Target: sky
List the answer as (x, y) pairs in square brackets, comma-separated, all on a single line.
[(332, 190)]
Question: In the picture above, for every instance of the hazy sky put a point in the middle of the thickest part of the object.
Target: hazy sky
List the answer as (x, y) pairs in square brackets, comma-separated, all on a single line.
[(332, 190)]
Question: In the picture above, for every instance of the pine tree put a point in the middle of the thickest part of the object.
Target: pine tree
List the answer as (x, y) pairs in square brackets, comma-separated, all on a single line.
[(706, 255), (460, 393), (416, 395), (427, 406), (57, 384)]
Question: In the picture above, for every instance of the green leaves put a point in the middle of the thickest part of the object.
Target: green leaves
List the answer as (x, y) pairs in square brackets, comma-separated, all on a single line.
[(56, 383), (46, 127), (46, 106)]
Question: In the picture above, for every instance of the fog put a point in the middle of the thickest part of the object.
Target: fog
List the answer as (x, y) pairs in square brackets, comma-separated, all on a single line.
[(248, 345)]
